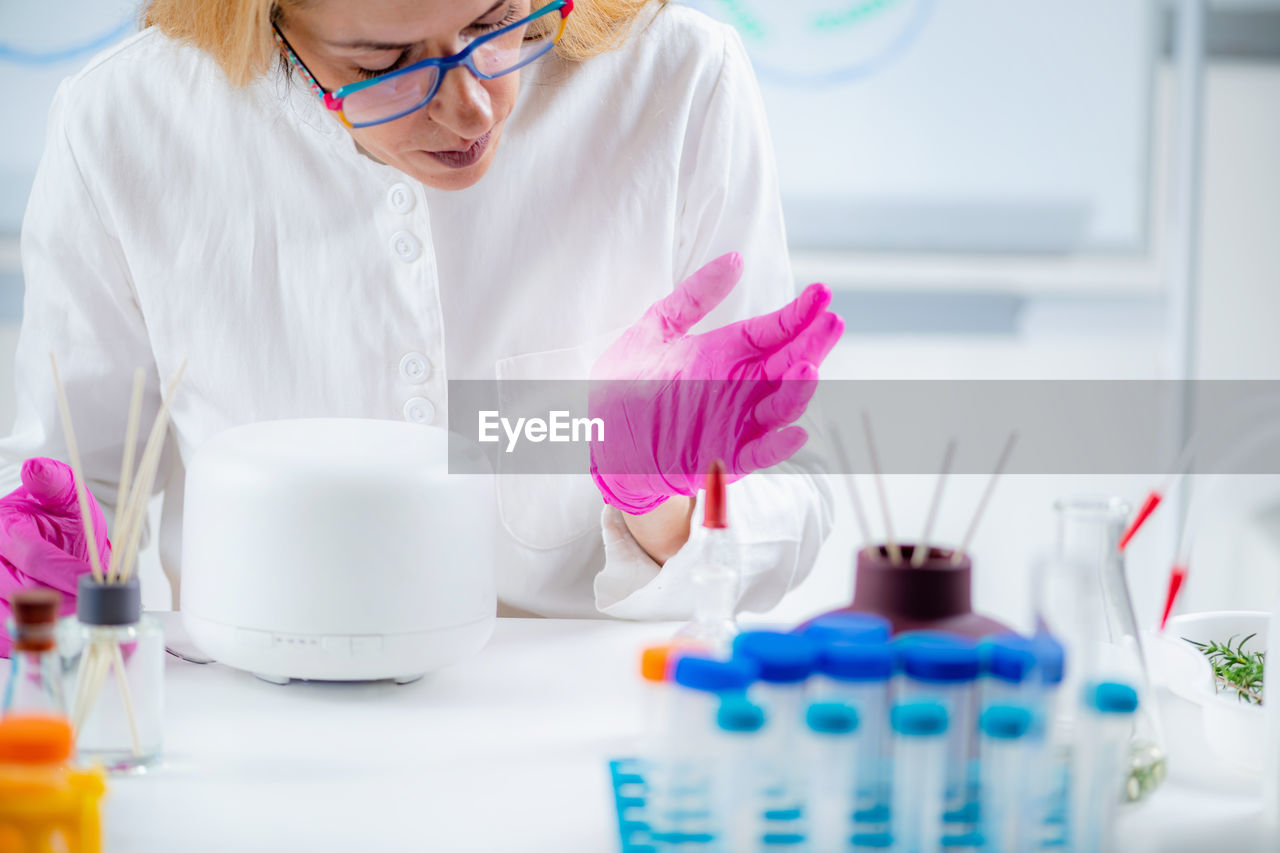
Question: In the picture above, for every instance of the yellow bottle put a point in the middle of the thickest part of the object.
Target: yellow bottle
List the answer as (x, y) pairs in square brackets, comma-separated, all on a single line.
[(45, 804)]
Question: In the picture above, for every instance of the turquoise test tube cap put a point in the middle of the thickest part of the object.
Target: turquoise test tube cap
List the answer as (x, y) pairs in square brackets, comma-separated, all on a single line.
[(1112, 697), (739, 714), (1006, 722), (831, 718), (919, 719)]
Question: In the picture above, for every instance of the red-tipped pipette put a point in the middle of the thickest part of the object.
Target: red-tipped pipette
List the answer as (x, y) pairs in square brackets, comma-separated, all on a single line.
[(1176, 577), (1156, 496)]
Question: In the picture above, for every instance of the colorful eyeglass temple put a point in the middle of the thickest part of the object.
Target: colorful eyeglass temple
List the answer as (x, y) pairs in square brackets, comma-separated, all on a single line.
[(319, 91)]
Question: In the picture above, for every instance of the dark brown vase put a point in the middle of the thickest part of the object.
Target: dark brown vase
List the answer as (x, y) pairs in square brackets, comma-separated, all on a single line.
[(934, 596)]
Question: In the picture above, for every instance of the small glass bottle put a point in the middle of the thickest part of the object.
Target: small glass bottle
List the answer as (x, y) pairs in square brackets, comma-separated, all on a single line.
[(717, 577), (118, 700), (35, 671)]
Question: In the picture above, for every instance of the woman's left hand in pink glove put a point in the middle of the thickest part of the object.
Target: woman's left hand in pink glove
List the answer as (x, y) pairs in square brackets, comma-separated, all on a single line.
[(672, 402), (42, 538)]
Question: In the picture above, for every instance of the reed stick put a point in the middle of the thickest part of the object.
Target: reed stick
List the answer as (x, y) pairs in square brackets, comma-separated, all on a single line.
[(921, 553), (126, 472), (842, 456), (895, 553), (141, 493), (77, 473), (127, 698), (986, 496)]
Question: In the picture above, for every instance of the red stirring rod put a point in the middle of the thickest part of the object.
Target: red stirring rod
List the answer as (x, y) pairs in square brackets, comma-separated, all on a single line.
[(714, 514), (1176, 577), (1144, 512)]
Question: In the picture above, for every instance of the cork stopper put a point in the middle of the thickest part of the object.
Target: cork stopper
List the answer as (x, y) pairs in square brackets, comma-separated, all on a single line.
[(35, 617)]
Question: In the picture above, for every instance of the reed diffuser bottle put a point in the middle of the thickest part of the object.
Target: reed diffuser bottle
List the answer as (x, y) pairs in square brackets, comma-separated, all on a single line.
[(118, 705)]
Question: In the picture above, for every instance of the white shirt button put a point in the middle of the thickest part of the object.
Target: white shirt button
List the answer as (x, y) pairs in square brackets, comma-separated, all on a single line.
[(415, 368), (400, 198), (418, 410), (406, 246)]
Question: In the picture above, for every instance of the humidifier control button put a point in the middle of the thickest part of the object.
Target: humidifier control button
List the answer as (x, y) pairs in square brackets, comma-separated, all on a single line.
[(336, 645), (366, 645)]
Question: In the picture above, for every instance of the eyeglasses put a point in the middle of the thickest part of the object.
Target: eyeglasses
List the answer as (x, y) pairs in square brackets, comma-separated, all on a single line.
[(390, 96)]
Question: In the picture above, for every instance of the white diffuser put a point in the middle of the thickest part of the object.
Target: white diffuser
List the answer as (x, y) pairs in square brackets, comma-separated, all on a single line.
[(336, 549)]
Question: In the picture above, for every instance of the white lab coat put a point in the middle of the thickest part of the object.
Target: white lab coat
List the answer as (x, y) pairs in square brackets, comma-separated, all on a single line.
[(174, 216)]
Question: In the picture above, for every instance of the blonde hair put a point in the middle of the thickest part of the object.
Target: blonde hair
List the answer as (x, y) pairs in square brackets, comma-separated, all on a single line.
[(237, 33)]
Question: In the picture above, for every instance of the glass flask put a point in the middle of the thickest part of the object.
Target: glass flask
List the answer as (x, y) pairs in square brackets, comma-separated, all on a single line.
[(1082, 599), (117, 700), (35, 670)]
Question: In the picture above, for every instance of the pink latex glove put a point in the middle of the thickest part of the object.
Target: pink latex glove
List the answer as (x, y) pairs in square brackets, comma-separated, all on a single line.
[(42, 539), (673, 402)]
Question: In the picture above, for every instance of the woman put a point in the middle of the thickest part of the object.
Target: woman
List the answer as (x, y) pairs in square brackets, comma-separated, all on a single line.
[(228, 187)]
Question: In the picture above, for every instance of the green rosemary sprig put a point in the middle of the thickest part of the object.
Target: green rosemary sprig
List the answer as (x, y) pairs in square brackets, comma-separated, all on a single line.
[(1234, 668)]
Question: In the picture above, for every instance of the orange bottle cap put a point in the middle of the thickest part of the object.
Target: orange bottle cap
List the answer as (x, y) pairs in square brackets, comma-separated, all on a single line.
[(35, 739), (653, 663)]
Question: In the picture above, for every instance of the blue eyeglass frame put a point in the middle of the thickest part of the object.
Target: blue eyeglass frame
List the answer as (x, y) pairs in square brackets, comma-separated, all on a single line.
[(333, 100)]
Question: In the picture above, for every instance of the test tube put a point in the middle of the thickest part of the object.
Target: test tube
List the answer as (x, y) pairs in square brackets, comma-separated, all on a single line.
[(738, 779), (858, 675), (1006, 770), (943, 668), (1100, 764), (784, 663), (1050, 744), (919, 775), (834, 742), (680, 804)]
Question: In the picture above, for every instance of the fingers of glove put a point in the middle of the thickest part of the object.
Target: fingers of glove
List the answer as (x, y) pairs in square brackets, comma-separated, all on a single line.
[(812, 345), (676, 313), (45, 564), (771, 448), (790, 399), (770, 331), (50, 483)]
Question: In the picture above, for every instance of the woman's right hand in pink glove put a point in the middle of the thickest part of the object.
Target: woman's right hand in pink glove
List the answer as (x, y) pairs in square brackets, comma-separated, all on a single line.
[(42, 538)]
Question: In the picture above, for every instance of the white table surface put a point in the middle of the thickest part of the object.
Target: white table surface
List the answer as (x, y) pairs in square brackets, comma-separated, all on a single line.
[(505, 752)]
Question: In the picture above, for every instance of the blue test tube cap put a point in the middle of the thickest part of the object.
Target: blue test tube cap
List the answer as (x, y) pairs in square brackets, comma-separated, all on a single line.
[(857, 661), (937, 657), (847, 626), (1112, 697), (713, 676), (1009, 657), (779, 658), (918, 719), (739, 714), (831, 718), (1005, 721)]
